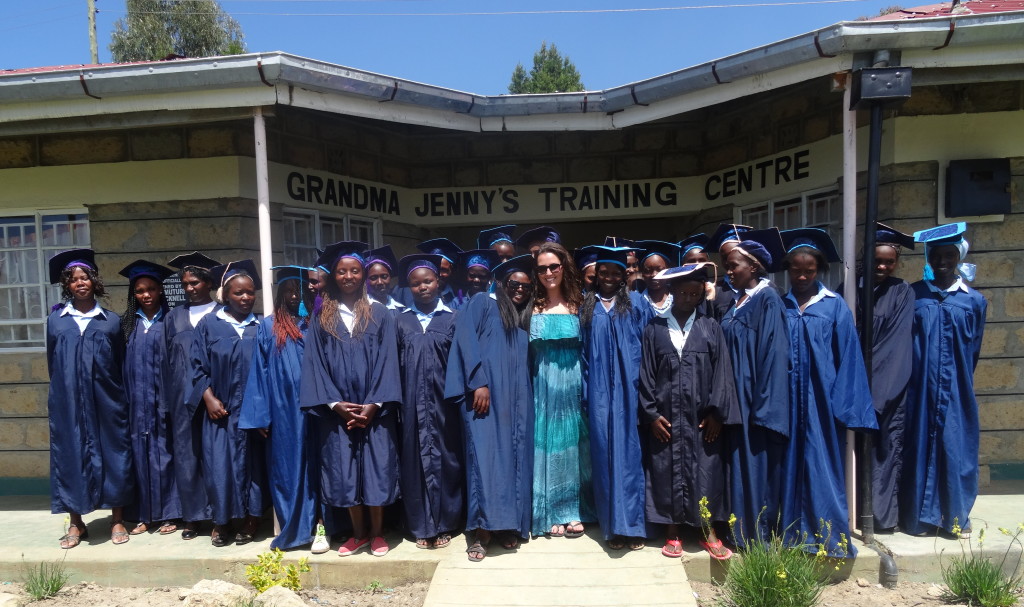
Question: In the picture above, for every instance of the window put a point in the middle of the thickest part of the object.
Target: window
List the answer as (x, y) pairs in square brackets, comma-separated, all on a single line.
[(306, 231), (27, 243)]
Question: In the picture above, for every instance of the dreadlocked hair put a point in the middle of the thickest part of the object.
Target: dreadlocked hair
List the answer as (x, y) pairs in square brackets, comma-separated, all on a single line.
[(128, 321), (570, 286), (285, 327), (511, 316), (622, 307), (329, 314)]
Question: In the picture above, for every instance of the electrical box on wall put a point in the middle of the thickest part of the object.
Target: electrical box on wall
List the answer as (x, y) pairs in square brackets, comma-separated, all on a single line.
[(978, 187)]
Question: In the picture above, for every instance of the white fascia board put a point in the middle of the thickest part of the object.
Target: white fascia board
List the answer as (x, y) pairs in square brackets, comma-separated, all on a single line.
[(591, 121), (176, 101), (377, 110), (964, 56), (728, 91)]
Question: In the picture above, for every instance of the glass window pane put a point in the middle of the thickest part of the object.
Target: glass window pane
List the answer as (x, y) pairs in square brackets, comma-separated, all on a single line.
[(332, 230), (299, 238), (361, 230), (756, 217)]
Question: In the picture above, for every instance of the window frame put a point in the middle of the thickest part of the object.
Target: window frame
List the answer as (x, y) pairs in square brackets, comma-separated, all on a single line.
[(346, 219)]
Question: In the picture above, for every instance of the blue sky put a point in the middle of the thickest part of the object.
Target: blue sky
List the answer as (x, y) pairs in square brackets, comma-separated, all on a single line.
[(474, 53)]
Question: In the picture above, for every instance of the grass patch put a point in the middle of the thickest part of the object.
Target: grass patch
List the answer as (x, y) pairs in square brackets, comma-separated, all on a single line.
[(45, 579), (976, 579)]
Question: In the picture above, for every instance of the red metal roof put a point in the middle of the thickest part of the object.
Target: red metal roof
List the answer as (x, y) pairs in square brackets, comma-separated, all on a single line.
[(946, 9)]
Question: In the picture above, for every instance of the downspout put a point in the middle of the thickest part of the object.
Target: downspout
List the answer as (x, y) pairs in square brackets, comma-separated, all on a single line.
[(263, 202), (850, 265)]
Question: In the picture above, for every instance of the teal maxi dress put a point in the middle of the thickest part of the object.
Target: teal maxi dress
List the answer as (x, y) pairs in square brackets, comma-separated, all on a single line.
[(561, 468)]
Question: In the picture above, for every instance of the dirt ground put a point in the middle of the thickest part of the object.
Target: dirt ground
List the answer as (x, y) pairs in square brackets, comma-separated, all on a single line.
[(93, 595), (851, 593)]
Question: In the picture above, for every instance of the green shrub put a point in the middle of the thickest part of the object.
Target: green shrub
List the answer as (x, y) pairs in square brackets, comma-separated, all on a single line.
[(976, 579), (45, 579), (269, 571)]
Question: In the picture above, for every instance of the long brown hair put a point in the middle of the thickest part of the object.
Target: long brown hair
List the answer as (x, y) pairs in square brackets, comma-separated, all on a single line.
[(329, 314), (570, 286)]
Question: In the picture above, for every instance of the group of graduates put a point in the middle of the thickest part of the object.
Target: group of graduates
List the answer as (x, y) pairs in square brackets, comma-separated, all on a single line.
[(630, 384)]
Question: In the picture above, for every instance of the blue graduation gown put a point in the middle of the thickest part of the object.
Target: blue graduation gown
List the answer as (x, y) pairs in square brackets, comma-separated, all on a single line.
[(156, 487), (611, 355), (940, 464), (891, 362), (758, 337), (499, 445), (90, 447), (360, 466), (233, 459), (186, 418), (432, 452), (272, 401), (829, 394), (684, 390)]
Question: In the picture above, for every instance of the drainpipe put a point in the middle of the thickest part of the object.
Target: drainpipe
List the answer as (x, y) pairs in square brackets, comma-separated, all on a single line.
[(263, 200), (849, 255)]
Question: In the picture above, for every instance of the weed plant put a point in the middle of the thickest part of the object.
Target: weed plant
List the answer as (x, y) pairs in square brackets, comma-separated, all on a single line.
[(270, 571), (979, 580), (45, 579)]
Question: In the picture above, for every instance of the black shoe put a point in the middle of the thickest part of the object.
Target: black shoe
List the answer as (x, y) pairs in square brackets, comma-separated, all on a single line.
[(219, 537), (189, 533), (242, 538)]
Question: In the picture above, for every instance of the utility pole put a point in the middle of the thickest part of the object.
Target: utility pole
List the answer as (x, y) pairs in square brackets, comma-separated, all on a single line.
[(93, 51)]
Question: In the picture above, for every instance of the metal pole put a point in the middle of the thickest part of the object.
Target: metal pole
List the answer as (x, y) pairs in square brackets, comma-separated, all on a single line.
[(867, 515), (263, 200), (93, 51), (849, 264)]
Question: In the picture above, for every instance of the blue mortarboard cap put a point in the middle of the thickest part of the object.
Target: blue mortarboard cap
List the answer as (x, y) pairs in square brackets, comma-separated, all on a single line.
[(194, 259), (443, 247), (344, 248), (697, 241), (520, 263), (891, 236), (766, 246), (491, 236), (725, 233), (407, 264), (541, 234), (485, 258), (283, 273), (616, 242), (615, 255), (950, 233), (815, 238), (60, 261), (224, 272), (668, 250), (382, 255), (704, 270), (142, 267), (584, 257)]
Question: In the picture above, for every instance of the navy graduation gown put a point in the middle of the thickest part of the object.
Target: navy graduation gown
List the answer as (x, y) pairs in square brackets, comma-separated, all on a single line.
[(186, 418), (611, 355), (233, 459), (684, 390), (891, 362), (272, 402), (499, 445), (758, 337), (829, 394), (940, 464), (156, 487), (90, 447), (359, 466), (432, 452)]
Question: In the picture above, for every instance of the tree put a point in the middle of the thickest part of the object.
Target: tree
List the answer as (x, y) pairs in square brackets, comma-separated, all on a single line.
[(154, 29), (551, 73)]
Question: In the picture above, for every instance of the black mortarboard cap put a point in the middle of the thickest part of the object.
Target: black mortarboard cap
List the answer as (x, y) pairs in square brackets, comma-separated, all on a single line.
[(891, 236), (541, 234), (283, 273), (489, 237), (767, 247), (584, 257), (224, 272), (407, 264), (83, 257), (344, 248), (697, 241), (443, 247), (726, 232), (815, 238), (520, 263), (668, 250), (382, 255), (142, 267), (193, 259), (486, 258), (617, 242), (615, 255)]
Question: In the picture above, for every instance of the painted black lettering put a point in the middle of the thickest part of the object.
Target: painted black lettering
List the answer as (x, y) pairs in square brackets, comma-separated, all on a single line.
[(511, 200), (566, 197), (763, 168), (424, 210), (378, 198), (313, 186), (345, 193), (782, 166), (488, 197), (665, 193), (393, 207), (331, 193), (547, 192), (295, 183), (437, 204), (728, 184), (610, 195), (454, 204), (586, 199), (801, 164), (471, 202), (360, 199), (744, 179), (708, 193), (641, 194)]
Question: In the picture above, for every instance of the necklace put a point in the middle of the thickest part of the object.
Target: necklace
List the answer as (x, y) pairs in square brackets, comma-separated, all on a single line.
[(604, 299)]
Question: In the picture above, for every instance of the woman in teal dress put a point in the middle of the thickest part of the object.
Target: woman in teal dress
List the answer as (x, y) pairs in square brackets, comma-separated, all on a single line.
[(562, 498)]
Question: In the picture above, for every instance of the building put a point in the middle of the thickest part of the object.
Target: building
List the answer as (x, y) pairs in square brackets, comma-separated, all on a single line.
[(153, 159)]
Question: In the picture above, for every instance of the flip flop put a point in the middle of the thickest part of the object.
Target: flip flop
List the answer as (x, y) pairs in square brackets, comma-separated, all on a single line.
[(442, 540), (637, 543), (424, 543), (167, 527), (574, 534), (557, 533), (711, 547), (665, 550), (479, 548), (139, 529), (616, 543)]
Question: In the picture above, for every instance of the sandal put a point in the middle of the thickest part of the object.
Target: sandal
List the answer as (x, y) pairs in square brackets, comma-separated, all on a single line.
[(69, 541), (477, 551), (673, 548), (557, 531), (616, 543), (442, 540), (713, 547), (571, 530), (139, 529), (118, 537), (510, 541), (637, 543), (167, 528), (424, 543)]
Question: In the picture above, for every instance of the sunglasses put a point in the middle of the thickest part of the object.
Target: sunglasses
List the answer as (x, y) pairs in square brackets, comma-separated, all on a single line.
[(555, 267), (515, 285)]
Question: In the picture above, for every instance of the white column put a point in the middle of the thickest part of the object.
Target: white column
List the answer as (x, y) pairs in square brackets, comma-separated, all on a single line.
[(850, 265), (263, 200)]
